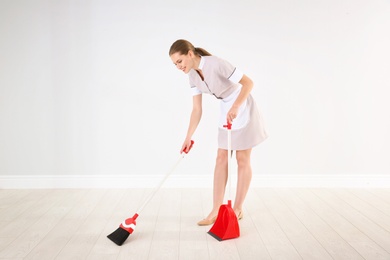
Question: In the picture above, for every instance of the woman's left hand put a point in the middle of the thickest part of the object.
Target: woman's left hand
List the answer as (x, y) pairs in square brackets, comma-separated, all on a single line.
[(232, 114)]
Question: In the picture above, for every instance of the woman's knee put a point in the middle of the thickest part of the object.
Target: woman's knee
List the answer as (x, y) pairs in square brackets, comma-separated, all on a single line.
[(221, 157), (243, 158)]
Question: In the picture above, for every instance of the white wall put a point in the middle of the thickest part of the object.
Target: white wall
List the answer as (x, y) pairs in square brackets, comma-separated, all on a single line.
[(87, 87)]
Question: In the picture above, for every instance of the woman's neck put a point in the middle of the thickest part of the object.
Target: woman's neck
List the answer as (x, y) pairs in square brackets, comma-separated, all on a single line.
[(197, 62)]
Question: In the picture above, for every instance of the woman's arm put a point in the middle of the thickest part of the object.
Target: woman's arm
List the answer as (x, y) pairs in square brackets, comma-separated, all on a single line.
[(196, 115), (246, 89)]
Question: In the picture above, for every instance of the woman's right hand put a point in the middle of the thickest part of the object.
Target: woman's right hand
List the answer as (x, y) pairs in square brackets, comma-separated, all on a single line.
[(186, 145)]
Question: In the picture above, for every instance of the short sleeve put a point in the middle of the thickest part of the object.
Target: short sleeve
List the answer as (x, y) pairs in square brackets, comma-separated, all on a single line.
[(230, 72), (236, 76), (195, 91)]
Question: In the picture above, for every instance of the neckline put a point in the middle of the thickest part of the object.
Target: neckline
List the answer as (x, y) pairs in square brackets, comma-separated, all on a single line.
[(200, 73)]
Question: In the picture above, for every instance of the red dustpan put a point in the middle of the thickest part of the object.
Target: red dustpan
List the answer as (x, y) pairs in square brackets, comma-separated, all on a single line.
[(226, 224)]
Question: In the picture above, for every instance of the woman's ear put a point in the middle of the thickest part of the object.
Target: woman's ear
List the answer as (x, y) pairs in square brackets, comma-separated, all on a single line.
[(191, 53)]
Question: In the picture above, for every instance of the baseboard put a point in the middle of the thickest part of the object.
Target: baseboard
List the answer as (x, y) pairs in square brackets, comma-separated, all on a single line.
[(188, 181)]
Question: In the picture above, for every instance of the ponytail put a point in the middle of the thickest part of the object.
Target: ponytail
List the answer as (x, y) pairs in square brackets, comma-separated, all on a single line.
[(202, 52), (184, 46)]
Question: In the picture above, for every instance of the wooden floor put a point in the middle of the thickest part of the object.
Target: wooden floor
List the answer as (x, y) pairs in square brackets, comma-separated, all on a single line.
[(277, 224)]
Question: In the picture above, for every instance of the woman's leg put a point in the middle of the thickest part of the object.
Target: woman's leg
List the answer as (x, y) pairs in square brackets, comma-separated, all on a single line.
[(220, 179), (243, 179)]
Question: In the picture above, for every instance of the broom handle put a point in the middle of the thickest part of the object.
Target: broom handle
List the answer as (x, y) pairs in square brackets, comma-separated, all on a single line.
[(164, 179)]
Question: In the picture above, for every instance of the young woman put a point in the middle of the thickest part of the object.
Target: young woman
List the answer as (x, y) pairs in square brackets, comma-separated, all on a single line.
[(212, 75)]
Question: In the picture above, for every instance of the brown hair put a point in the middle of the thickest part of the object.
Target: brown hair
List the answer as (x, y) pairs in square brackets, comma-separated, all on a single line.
[(184, 46)]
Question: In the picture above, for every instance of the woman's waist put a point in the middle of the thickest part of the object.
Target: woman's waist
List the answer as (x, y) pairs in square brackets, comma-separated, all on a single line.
[(231, 95)]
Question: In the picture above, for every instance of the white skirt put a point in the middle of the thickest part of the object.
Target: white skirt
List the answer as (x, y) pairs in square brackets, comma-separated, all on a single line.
[(248, 129)]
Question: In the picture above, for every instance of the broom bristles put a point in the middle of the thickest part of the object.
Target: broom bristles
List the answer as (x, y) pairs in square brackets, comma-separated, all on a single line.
[(119, 236)]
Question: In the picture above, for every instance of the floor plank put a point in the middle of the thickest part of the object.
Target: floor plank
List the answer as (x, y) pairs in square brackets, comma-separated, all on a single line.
[(13, 206), (333, 243), (383, 194), (61, 234), (277, 243), (126, 208), (4, 242), (84, 239), (33, 234), (32, 214), (8, 198), (366, 209), (138, 244), (355, 217), (381, 202), (304, 242), (362, 243), (165, 242), (250, 245), (193, 243)]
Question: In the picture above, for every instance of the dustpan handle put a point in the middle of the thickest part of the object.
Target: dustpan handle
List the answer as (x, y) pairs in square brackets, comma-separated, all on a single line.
[(228, 126), (165, 178)]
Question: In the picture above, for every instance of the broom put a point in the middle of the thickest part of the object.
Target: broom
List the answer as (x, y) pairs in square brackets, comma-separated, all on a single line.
[(127, 227)]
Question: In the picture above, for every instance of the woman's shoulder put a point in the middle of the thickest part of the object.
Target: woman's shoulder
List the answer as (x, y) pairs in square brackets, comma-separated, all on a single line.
[(212, 58), (215, 60), (212, 63), (218, 65)]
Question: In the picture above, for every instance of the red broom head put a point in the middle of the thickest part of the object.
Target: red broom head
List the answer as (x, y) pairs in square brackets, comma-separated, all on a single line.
[(129, 224)]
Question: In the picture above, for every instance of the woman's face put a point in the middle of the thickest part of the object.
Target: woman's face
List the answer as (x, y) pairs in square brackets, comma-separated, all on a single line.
[(183, 62)]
